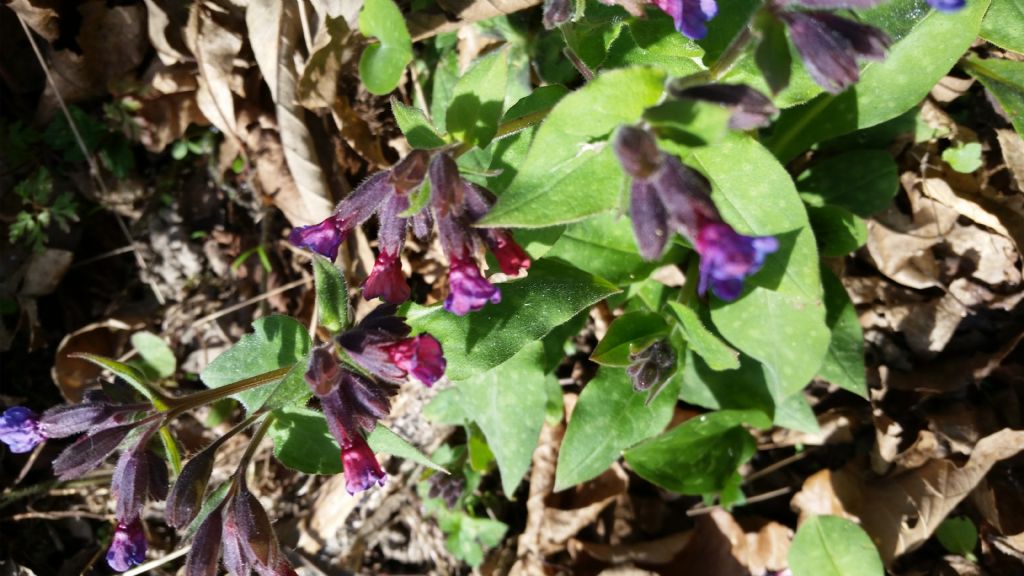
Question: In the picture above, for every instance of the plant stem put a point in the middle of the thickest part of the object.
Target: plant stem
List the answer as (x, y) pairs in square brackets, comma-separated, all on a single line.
[(732, 54), (509, 128), (254, 443), (203, 397)]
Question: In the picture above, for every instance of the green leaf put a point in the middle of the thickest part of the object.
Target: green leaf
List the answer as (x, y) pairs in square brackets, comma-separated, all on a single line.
[(1004, 25), (844, 363), (331, 294), (654, 41), (780, 318), (549, 296), (965, 158), (382, 63), (134, 377), (302, 442), (958, 535), (276, 342), (862, 181), (564, 177), (833, 546), (156, 354), (629, 333), (773, 57), (605, 247), (887, 88), (541, 99), (1005, 80), (838, 230), (446, 408), (417, 128), (508, 403), (478, 99), (446, 74), (609, 417), (469, 536), (209, 505), (745, 388), (796, 413), (700, 455), (717, 354)]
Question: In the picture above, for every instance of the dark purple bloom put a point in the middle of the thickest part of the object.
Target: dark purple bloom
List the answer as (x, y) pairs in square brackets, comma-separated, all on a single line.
[(386, 280), (830, 46), (675, 198), (947, 5), (381, 345), (19, 429), (727, 258), (651, 366), (511, 257), (202, 558), (255, 532), (750, 109), (323, 238), (362, 470), (138, 476), (128, 547), (691, 16), (557, 12), (469, 291), (186, 498)]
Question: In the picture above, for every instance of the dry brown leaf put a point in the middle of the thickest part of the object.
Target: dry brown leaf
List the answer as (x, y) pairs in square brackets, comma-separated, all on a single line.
[(168, 107), (44, 271), (900, 512), (761, 551), (274, 29), (453, 14), (215, 38), (1012, 146), (166, 23), (73, 375), (113, 43), (950, 88), (928, 326), (659, 551), (593, 497), (333, 52), (542, 482), (40, 15), (818, 498), (940, 190)]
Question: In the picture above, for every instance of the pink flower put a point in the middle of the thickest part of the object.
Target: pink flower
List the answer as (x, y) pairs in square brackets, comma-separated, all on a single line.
[(362, 470)]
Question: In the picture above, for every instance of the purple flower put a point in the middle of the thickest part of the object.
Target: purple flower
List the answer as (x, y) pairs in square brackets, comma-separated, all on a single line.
[(691, 16), (128, 547), (386, 280), (727, 258), (651, 366), (666, 197), (511, 257), (830, 46), (469, 291), (381, 345), (19, 429), (750, 109), (139, 475), (947, 5), (362, 470), (323, 238)]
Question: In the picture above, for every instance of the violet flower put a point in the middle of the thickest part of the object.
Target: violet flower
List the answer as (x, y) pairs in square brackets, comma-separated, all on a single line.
[(20, 430), (128, 547), (947, 5), (362, 470), (469, 291), (690, 16), (380, 343), (667, 196)]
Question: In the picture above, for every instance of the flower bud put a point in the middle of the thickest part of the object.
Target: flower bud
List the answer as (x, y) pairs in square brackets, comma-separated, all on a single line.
[(202, 558), (362, 470), (637, 151), (186, 498), (323, 238), (410, 171), (89, 451), (510, 256), (386, 280), (128, 547), (19, 429), (651, 366)]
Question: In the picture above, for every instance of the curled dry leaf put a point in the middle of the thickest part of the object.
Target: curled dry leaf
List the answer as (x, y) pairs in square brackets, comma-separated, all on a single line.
[(214, 35), (274, 29), (40, 15), (660, 551), (74, 375), (586, 504), (1012, 146), (166, 21), (901, 511), (817, 498), (168, 106)]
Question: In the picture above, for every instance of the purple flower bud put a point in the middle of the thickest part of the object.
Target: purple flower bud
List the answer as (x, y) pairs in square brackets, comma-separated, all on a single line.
[(650, 221), (68, 420), (446, 188), (323, 238), (750, 109), (386, 280), (420, 356), (255, 532), (691, 16), (468, 290), (235, 559), (637, 151), (651, 366), (557, 12), (727, 258), (202, 558), (89, 451), (186, 498), (139, 475), (20, 430), (947, 5), (355, 406), (362, 470), (128, 547), (408, 174), (512, 259), (830, 46)]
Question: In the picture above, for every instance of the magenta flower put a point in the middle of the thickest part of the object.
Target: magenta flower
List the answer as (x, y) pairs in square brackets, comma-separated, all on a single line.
[(511, 257), (381, 345), (323, 238), (386, 280), (362, 470), (691, 16), (420, 356), (20, 430), (667, 196), (469, 291), (128, 548)]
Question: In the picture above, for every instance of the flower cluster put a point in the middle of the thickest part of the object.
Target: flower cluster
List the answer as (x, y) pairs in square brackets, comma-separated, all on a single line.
[(454, 204), (353, 403), (667, 197)]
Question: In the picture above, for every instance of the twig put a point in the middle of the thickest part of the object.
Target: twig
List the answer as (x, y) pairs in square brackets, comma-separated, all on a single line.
[(776, 466), (143, 568), (104, 256), (28, 465), (94, 168), (250, 301), (752, 500)]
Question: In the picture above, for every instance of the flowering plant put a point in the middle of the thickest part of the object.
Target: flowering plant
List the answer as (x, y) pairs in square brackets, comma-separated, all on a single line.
[(674, 183)]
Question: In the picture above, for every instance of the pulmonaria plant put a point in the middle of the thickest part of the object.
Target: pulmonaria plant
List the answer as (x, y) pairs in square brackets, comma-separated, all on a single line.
[(667, 196), (454, 204)]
